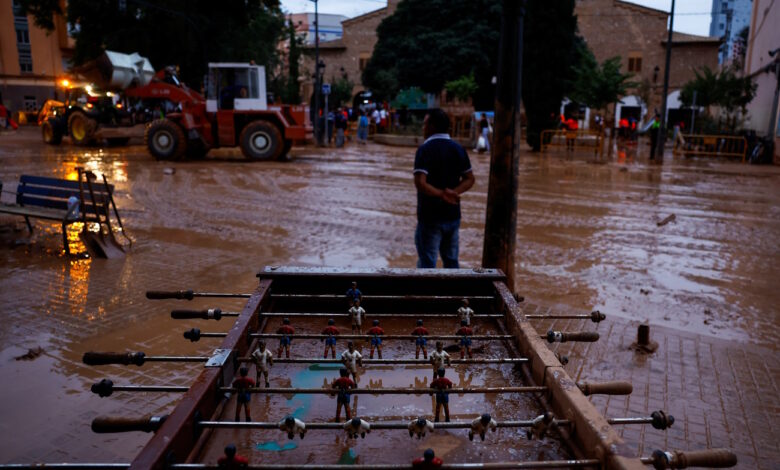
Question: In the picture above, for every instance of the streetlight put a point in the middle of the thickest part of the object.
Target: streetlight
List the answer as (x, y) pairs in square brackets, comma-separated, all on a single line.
[(662, 129), (316, 119)]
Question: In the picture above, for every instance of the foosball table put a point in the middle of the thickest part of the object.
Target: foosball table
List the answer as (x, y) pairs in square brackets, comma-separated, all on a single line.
[(432, 369)]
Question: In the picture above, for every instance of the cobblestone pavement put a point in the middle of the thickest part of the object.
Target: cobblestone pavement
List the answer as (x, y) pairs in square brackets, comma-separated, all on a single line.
[(721, 393), (587, 237)]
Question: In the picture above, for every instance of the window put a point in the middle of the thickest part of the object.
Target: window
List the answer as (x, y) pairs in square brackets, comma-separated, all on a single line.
[(25, 60), (634, 63), (22, 36), (30, 104)]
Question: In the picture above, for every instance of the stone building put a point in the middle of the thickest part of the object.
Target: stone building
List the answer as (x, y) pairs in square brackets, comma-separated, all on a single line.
[(31, 59), (610, 27), (764, 110)]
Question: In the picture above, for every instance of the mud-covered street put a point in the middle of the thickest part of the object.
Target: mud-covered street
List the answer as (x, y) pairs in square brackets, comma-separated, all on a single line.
[(588, 238)]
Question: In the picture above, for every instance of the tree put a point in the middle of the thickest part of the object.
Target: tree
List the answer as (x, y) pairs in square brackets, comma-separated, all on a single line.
[(724, 89), (549, 52), (292, 87), (186, 33), (463, 88), (600, 85), (426, 43), (340, 92)]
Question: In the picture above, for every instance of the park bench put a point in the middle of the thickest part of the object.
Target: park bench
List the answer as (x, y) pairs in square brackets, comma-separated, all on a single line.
[(48, 199)]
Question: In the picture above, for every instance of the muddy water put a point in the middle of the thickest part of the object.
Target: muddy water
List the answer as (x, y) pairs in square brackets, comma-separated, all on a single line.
[(587, 238)]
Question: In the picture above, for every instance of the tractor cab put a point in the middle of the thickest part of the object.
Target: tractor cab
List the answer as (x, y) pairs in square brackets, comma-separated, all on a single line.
[(235, 87)]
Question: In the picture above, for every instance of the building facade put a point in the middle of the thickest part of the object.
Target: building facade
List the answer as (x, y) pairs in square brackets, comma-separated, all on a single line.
[(31, 59), (610, 27), (762, 67), (304, 24), (729, 18)]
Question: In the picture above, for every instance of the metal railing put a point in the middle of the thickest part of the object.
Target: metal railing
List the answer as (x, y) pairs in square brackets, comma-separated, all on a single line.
[(710, 145), (574, 140)]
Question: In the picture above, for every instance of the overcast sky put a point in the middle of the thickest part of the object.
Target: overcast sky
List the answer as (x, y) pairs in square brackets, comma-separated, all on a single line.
[(691, 16)]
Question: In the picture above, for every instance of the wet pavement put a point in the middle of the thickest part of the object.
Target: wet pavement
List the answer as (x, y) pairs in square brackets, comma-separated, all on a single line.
[(587, 238)]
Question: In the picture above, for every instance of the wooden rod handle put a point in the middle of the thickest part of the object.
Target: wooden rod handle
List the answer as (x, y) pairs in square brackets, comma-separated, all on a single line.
[(93, 358), (111, 424), (176, 294), (713, 458), (606, 388), (210, 314)]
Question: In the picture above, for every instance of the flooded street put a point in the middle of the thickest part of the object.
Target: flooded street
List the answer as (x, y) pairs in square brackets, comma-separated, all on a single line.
[(588, 238)]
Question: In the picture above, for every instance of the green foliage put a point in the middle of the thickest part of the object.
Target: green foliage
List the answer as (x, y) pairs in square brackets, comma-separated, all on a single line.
[(340, 92), (292, 92), (463, 88), (426, 43), (596, 85), (188, 33), (550, 53), (725, 89)]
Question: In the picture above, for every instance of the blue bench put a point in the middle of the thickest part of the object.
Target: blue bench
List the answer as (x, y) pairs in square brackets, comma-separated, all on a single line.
[(47, 198)]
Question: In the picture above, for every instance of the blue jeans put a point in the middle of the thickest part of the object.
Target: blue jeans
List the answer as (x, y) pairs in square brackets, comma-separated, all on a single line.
[(433, 237)]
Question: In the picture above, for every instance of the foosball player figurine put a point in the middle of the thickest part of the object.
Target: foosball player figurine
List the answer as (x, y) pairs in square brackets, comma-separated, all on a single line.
[(428, 461), (230, 460), (480, 426), (354, 294), (343, 384), (330, 342), (286, 340), (376, 333), (439, 358), (357, 427), (241, 384), (293, 426), (465, 312), (419, 427), (441, 384), (357, 313), (263, 359), (465, 332), (540, 426), (351, 359), (421, 341)]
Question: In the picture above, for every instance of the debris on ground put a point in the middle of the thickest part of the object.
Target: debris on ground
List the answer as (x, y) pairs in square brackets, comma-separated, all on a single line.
[(666, 220), (31, 354), (169, 171), (644, 291)]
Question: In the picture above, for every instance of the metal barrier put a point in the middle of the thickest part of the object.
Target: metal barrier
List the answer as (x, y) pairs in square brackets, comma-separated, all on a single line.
[(573, 140), (711, 145)]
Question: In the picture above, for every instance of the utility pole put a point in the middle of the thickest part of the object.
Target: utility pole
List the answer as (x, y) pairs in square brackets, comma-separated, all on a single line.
[(501, 215), (662, 129), (317, 85)]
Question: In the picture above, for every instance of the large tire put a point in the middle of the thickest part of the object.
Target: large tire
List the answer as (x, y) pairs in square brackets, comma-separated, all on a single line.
[(81, 128), (261, 140), (165, 140), (52, 134)]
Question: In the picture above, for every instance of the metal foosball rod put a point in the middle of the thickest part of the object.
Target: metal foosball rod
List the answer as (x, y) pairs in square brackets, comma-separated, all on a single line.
[(190, 294), (195, 332), (140, 358), (110, 424), (181, 314), (106, 387)]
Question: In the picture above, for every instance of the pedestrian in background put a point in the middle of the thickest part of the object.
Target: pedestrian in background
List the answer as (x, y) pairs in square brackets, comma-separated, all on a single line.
[(341, 127), (442, 172), (655, 127), (362, 129)]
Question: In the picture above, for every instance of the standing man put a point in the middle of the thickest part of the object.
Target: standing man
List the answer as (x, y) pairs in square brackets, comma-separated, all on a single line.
[(351, 359), (343, 384), (439, 358), (353, 294), (440, 384), (442, 172), (263, 359)]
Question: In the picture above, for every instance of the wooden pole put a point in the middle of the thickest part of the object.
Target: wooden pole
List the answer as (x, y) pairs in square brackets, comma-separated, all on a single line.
[(501, 215)]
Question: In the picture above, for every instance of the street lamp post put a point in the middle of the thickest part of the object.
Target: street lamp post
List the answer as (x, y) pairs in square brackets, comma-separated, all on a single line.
[(662, 129), (317, 85)]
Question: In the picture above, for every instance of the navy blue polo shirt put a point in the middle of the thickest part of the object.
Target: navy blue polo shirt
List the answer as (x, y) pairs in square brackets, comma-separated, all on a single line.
[(444, 163)]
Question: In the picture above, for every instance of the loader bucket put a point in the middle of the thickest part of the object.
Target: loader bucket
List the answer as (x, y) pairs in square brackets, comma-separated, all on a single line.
[(102, 246)]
